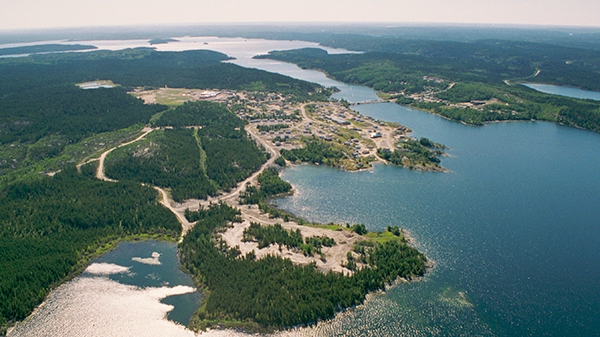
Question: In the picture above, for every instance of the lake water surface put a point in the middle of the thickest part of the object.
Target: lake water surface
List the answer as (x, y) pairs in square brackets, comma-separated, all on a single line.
[(564, 91), (135, 290), (513, 229)]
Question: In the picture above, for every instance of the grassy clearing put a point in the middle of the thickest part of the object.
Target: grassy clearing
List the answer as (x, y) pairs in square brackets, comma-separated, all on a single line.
[(26, 161), (383, 237), (330, 226), (384, 96), (172, 97), (346, 134)]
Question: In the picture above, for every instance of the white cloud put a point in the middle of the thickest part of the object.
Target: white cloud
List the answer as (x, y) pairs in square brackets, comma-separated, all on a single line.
[(148, 260), (106, 269)]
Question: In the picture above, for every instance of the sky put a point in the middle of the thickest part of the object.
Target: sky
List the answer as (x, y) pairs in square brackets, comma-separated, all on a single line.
[(28, 14)]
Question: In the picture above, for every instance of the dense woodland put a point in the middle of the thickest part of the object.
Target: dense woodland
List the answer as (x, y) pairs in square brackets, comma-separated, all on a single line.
[(479, 70), (44, 48), (315, 151), (168, 159), (265, 236), (414, 154), (487, 60), (70, 112), (42, 126), (273, 292), (144, 67), (49, 227), (195, 162), (43, 112), (270, 184)]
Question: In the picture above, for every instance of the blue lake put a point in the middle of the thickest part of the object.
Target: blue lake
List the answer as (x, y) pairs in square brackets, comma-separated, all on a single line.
[(564, 91), (143, 275), (514, 229), (135, 290)]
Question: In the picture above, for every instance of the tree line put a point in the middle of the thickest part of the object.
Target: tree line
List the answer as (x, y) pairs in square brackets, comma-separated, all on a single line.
[(49, 226), (272, 292), (413, 153), (42, 110), (315, 151), (193, 162), (270, 184), (479, 70), (276, 234)]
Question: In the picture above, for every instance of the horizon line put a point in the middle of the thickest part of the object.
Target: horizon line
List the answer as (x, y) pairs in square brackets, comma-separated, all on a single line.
[(383, 24)]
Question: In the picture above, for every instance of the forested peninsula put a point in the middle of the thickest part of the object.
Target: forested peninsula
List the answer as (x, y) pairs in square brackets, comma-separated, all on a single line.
[(81, 169), (44, 48), (471, 82)]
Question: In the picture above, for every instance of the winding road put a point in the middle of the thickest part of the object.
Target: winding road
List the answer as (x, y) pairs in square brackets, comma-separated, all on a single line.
[(335, 255), (100, 171), (231, 197), (179, 209), (165, 201)]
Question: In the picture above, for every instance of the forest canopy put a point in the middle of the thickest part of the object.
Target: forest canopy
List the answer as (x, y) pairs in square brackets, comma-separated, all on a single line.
[(45, 117), (207, 151), (443, 73), (48, 228), (273, 292)]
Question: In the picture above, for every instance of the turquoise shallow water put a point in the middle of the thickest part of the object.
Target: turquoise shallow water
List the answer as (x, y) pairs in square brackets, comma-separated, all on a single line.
[(514, 229)]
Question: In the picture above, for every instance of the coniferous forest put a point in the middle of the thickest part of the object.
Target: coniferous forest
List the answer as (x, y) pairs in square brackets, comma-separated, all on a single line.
[(50, 227), (444, 73), (315, 151), (207, 151), (273, 292), (53, 223), (44, 116)]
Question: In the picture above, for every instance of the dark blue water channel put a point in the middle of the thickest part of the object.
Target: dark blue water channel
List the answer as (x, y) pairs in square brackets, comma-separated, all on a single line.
[(514, 229)]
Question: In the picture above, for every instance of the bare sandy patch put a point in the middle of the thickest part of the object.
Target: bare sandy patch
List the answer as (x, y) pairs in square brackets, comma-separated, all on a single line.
[(334, 257)]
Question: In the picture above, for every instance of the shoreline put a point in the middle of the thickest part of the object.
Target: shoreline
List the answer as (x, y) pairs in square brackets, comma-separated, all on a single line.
[(334, 261), (81, 266)]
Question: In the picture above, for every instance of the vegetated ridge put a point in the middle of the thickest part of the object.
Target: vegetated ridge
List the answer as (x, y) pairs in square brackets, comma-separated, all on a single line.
[(474, 82), (52, 225)]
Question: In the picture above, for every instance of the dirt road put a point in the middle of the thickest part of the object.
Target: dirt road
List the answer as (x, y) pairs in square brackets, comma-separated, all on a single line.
[(100, 171), (334, 256)]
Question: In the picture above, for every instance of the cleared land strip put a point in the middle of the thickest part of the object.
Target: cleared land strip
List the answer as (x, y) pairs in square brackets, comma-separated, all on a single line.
[(165, 200), (179, 209), (334, 256)]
